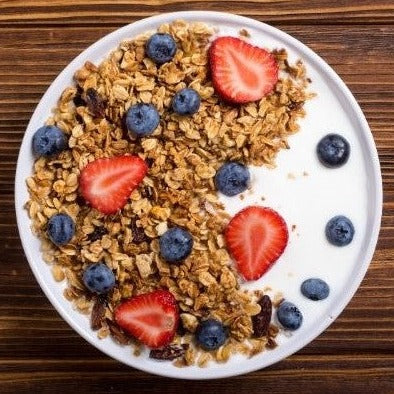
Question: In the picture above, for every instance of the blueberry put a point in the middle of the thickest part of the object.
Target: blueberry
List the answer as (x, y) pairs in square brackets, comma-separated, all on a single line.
[(142, 119), (211, 334), (289, 316), (61, 229), (161, 48), (48, 141), (98, 278), (340, 231), (333, 150), (186, 102), (232, 178), (315, 289), (175, 244)]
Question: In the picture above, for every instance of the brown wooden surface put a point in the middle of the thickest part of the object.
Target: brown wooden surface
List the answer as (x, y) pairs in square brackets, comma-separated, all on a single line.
[(41, 353)]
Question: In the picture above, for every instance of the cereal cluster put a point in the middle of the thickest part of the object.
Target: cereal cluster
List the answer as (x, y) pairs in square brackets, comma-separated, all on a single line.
[(183, 155)]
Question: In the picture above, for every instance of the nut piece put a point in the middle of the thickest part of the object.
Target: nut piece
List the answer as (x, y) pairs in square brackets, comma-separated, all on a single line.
[(189, 322), (58, 273), (144, 264)]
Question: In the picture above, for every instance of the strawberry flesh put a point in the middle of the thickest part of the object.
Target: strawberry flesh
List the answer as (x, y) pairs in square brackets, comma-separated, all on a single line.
[(256, 237), (152, 318), (241, 72), (107, 183)]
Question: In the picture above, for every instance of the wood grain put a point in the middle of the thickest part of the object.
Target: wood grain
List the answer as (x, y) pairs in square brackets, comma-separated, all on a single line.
[(39, 353)]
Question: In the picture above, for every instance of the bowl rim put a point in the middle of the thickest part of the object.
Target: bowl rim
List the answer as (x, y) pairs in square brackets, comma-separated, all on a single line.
[(377, 191)]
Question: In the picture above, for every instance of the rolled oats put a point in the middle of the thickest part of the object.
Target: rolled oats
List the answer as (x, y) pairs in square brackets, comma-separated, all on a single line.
[(183, 155)]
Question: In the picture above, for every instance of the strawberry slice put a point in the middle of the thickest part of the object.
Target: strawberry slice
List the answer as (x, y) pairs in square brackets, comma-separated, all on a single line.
[(256, 238), (152, 317), (107, 183), (241, 72)]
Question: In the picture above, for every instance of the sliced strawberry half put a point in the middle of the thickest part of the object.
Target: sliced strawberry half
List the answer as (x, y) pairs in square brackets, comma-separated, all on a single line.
[(241, 72), (256, 237), (107, 183), (152, 317)]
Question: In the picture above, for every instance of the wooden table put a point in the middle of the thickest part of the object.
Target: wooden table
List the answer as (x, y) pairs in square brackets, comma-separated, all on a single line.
[(39, 352)]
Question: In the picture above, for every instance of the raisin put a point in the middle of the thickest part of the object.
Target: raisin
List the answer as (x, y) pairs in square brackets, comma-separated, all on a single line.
[(295, 106), (80, 200), (146, 192), (271, 344), (170, 352), (149, 161), (261, 321), (124, 124), (95, 103), (139, 235), (78, 100), (181, 330), (98, 313), (79, 118), (97, 233), (117, 333)]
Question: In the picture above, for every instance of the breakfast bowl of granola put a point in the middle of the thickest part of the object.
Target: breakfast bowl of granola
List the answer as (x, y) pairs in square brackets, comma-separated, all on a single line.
[(198, 195)]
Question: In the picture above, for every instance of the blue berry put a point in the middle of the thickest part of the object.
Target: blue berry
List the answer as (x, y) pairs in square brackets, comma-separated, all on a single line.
[(232, 178), (142, 119), (175, 244), (48, 141), (211, 334), (161, 48), (186, 102), (315, 289), (98, 278), (340, 231), (333, 150), (289, 316), (61, 229)]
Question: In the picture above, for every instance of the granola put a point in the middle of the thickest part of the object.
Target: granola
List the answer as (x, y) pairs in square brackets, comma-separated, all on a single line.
[(183, 154)]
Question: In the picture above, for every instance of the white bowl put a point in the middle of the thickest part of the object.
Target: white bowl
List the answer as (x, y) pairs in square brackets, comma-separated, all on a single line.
[(307, 201)]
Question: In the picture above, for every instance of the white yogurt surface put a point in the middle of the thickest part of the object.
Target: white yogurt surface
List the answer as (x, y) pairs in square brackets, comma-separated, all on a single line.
[(307, 201), (307, 195)]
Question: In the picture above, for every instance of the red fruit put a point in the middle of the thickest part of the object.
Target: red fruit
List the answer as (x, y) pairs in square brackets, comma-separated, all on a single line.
[(256, 238), (107, 183), (152, 318), (241, 72)]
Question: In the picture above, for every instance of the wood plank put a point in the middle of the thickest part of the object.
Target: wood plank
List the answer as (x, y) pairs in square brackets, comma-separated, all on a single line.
[(108, 13), (39, 352)]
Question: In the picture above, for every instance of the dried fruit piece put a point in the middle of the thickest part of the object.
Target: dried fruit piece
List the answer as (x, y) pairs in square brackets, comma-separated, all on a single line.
[(97, 233), (261, 321), (271, 344), (96, 105), (139, 235), (78, 100), (98, 313), (117, 333), (170, 352)]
